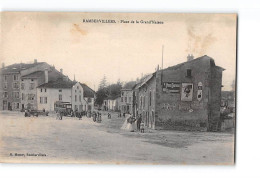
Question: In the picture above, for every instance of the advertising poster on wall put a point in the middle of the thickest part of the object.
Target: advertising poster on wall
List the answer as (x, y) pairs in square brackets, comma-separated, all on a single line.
[(171, 87), (186, 92)]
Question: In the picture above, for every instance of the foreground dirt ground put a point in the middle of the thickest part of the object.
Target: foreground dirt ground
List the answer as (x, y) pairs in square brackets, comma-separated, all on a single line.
[(69, 140)]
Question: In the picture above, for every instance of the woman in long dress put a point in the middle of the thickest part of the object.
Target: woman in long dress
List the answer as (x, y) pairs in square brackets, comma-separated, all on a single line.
[(129, 124)]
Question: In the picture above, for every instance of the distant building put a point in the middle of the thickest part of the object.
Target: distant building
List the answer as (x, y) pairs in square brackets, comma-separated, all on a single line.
[(111, 103), (182, 97), (89, 96), (228, 100), (126, 102), (10, 83), (63, 91), (30, 82)]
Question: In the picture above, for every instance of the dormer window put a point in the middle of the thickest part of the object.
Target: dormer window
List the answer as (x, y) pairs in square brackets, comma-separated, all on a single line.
[(188, 73)]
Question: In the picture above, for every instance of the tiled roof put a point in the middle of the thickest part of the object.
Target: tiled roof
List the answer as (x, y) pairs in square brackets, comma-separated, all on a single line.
[(17, 67), (88, 92), (53, 75), (35, 74), (58, 84)]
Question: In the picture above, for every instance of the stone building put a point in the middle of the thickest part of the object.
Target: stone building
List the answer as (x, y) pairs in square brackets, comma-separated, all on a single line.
[(89, 96), (182, 97), (126, 102), (111, 103), (10, 83), (60, 90), (30, 82)]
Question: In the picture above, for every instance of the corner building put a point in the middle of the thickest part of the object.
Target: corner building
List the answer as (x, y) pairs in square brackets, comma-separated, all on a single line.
[(182, 97)]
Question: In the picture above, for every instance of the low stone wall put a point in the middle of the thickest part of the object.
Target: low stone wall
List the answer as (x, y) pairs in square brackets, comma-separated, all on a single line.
[(182, 125)]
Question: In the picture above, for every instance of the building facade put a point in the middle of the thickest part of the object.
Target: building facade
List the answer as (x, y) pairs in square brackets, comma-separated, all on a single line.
[(182, 97), (126, 102), (63, 91), (89, 97), (10, 80), (111, 103)]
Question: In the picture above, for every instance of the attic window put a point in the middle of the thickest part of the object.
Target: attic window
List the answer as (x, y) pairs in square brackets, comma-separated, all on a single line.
[(188, 73)]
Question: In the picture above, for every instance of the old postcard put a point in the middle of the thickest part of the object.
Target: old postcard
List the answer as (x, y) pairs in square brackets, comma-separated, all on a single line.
[(118, 88)]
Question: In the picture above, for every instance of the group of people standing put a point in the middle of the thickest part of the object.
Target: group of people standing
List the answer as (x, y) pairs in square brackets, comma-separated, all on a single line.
[(133, 124), (97, 117)]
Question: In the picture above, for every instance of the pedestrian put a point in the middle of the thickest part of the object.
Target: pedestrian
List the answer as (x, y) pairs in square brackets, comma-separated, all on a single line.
[(142, 126), (94, 116), (139, 120), (79, 116)]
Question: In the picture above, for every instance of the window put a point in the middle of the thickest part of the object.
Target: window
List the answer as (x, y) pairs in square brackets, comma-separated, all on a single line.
[(188, 73), (5, 85), (60, 90), (122, 99), (41, 89), (22, 96), (31, 86), (5, 94), (80, 98), (15, 77), (122, 93), (60, 97), (126, 99), (31, 96), (130, 99), (144, 102), (16, 94), (5, 77), (22, 86), (75, 98), (31, 79), (77, 87), (150, 96), (15, 85), (45, 90), (43, 100), (89, 100)]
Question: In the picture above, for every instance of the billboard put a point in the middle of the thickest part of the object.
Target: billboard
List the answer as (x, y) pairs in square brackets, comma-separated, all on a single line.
[(171, 87)]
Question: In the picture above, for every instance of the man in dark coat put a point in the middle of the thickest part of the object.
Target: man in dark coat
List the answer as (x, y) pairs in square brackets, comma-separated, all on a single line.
[(138, 122)]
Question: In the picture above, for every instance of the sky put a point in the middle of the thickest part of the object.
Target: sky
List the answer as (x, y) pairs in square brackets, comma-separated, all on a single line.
[(118, 50)]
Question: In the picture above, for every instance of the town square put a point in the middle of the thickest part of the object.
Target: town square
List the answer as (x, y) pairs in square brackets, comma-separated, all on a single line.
[(118, 93)]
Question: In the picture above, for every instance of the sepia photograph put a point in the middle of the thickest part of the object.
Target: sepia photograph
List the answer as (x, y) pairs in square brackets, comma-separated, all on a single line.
[(118, 88)]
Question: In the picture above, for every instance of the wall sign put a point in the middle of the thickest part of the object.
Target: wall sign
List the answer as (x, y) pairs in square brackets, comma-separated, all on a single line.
[(199, 94), (186, 92), (171, 87)]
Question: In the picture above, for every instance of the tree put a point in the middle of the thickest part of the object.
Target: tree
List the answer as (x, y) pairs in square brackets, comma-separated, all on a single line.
[(101, 95), (103, 83)]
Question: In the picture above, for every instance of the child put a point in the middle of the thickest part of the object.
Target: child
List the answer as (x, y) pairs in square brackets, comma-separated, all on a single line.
[(142, 126)]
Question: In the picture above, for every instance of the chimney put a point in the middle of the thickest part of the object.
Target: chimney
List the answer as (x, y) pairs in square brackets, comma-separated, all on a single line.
[(3, 65), (65, 78), (46, 75), (61, 71), (190, 57), (35, 60)]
